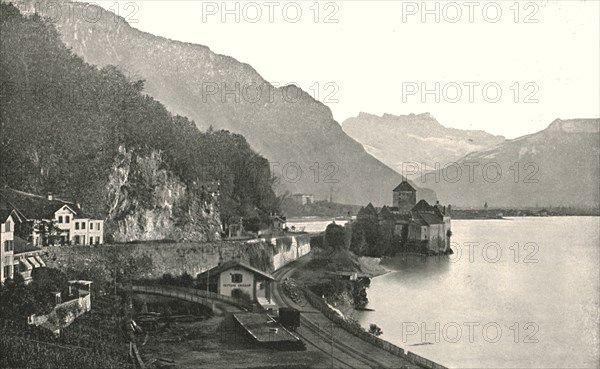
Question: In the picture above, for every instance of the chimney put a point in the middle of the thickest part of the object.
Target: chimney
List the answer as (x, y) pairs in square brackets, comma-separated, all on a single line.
[(50, 196)]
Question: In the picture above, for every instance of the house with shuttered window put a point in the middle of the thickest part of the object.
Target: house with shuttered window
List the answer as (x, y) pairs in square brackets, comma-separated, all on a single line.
[(47, 220)]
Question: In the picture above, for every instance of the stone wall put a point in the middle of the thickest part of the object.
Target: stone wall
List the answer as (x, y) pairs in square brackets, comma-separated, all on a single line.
[(63, 314), (288, 249), (153, 260)]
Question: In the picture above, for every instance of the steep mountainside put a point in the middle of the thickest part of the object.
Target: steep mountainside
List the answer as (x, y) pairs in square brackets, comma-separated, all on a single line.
[(415, 138), (115, 150), (558, 166), (285, 125)]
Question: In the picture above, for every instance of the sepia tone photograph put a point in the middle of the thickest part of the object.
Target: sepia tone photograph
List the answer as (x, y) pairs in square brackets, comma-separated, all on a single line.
[(227, 184)]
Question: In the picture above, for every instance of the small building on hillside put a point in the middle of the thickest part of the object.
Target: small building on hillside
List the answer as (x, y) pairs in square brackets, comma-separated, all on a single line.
[(234, 278), (303, 199), (47, 220), (278, 222)]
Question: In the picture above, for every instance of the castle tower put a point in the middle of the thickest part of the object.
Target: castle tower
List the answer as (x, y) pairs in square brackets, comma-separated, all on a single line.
[(405, 197)]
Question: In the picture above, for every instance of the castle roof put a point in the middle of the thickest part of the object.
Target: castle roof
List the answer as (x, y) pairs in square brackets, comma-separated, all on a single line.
[(421, 206), (404, 186), (368, 210), (386, 213), (428, 219), (443, 210)]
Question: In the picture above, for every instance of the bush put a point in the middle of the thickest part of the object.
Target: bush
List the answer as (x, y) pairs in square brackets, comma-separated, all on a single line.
[(375, 330), (241, 295)]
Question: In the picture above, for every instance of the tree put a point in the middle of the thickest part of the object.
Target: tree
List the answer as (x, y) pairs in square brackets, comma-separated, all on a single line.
[(48, 232), (18, 301), (367, 237), (375, 330), (334, 237)]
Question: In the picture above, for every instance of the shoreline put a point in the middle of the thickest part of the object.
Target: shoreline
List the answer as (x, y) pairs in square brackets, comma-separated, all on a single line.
[(372, 266)]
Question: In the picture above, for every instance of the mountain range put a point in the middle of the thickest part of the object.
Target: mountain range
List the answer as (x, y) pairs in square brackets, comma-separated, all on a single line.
[(416, 138), (307, 148), (357, 162), (556, 167)]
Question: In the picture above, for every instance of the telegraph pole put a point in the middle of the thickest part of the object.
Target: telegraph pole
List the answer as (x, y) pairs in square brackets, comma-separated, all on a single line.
[(332, 344)]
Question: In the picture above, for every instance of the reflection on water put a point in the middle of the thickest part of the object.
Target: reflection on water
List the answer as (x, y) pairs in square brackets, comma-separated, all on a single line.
[(519, 293)]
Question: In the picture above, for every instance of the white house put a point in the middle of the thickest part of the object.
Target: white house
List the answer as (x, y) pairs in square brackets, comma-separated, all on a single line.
[(7, 223), (52, 220), (234, 278)]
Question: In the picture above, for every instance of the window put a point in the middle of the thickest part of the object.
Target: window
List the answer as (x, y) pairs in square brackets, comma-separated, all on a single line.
[(76, 225), (9, 245), (60, 219), (98, 224), (8, 226), (76, 240), (97, 240), (82, 225), (236, 278), (7, 271), (67, 219)]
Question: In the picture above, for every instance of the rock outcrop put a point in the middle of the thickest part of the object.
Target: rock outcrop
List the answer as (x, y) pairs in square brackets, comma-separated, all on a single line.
[(147, 202)]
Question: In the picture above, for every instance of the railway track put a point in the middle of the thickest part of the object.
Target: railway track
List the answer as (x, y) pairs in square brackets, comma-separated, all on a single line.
[(311, 332)]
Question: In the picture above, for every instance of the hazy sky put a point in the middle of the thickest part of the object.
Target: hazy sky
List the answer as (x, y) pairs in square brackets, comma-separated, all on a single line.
[(378, 56)]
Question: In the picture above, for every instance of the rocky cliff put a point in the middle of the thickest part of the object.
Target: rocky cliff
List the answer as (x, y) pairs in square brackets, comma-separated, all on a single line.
[(148, 202)]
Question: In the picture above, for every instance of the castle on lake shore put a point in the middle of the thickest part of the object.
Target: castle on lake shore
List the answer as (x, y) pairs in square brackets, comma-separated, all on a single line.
[(415, 222)]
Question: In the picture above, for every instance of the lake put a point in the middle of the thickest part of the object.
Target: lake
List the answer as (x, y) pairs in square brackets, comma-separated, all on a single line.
[(517, 293), (313, 225)]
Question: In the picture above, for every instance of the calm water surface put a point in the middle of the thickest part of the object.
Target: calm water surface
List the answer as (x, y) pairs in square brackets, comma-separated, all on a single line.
[(526, 297), (313, 225)]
